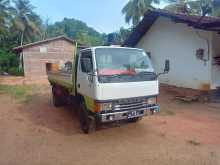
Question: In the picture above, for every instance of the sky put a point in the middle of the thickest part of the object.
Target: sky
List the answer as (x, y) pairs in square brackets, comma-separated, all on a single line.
[(105, 16)]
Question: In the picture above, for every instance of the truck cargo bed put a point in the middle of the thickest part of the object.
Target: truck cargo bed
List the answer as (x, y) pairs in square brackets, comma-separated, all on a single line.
[(61, 78)]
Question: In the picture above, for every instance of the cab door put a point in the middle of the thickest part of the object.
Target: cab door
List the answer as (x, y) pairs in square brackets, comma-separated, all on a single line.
[(85, 78)]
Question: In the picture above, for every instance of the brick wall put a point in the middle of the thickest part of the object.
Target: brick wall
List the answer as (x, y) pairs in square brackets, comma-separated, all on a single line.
[(36, 57)]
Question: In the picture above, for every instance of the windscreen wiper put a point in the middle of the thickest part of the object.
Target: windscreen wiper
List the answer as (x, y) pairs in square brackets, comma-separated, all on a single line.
[(150, 74), (117, 75)]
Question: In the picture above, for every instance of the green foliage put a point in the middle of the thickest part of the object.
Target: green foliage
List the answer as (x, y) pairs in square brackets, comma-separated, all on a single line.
[(117, 38), (134, 10), (18, 23), (196, 7), (22, 93), (216, 8), (9, 63), (7, 59), (113, 39), (15, 71), (5, 10), (26, 21), (14, 91), (79, 31), (84, 38), (76, 30)]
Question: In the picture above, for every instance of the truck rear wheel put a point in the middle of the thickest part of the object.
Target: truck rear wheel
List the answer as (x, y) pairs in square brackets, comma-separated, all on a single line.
[(87, 122), (57, 100)]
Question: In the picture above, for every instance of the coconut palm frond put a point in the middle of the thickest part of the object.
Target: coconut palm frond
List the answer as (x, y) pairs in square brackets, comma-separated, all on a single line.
[(196, 7), (26, 21), (134, 10)]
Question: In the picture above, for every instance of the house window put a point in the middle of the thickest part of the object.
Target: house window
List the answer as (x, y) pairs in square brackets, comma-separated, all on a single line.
[(43, 50)]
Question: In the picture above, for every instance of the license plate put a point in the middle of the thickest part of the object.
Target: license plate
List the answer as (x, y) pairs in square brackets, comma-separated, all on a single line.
[(132, 114)]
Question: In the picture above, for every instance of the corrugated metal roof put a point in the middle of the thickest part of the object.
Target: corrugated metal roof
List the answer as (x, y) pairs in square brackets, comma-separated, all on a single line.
[(20, 48), (208, 23)]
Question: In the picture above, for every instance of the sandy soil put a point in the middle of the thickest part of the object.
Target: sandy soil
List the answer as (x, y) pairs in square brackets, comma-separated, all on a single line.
[(36, 133)]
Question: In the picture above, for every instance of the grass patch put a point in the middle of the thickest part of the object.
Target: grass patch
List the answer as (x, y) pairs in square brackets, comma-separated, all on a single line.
[(194, 142), (22, 93)]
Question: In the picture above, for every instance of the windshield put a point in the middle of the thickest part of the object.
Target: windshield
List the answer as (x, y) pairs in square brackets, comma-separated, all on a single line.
[(121, 64), (112, 61)]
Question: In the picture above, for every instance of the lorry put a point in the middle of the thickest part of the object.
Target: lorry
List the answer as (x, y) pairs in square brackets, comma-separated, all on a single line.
[(109, 84)]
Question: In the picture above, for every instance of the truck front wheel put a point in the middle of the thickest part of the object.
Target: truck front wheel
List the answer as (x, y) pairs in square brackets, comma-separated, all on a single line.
[(87, 122)]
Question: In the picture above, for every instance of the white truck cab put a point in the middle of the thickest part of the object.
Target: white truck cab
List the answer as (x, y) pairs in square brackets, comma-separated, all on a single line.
[(111, 84)]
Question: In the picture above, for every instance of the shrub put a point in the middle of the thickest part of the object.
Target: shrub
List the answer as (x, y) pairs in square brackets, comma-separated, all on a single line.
[(15, 71), (1, 71), (9, 63)]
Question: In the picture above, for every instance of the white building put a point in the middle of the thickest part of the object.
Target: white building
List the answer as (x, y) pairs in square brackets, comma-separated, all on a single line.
[(190, 43)]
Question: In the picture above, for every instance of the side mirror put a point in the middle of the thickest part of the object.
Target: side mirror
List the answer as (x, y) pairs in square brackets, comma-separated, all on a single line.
[(167, 66)]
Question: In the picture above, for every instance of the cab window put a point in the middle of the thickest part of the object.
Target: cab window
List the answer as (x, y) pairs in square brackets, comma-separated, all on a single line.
[(86, 62)]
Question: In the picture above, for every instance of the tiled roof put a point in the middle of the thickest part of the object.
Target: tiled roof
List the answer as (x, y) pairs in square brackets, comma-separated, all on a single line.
[(208, 23)]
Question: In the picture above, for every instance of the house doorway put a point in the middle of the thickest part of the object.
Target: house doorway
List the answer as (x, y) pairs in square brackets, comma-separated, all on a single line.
[(52, 67)]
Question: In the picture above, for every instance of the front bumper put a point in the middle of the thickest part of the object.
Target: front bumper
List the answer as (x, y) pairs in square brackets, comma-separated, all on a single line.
[(124, 115)]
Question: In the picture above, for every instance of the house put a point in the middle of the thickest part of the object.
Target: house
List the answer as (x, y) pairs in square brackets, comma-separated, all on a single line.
[(190, 43), (39, 56)]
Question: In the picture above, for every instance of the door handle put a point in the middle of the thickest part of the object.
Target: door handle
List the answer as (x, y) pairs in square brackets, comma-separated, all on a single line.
[(78, 85)]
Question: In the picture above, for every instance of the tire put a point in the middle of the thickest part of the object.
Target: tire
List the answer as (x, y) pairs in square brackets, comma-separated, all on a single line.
[(134, 120), (87, 122), (57, 100)]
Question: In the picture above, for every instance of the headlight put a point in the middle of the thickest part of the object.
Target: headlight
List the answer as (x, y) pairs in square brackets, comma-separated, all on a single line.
[(152, 100), (106, 106)]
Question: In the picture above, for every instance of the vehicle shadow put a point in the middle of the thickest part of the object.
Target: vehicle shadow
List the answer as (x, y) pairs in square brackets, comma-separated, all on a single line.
[(41, 112), (64, 120)]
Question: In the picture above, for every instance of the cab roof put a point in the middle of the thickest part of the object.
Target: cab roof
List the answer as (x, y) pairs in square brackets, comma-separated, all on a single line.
[(106, 47)]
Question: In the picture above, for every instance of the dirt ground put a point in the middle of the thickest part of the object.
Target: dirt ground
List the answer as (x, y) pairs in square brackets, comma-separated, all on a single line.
[(36, 133)]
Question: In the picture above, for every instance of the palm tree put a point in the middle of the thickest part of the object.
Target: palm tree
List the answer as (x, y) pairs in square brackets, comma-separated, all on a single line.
[(197, 7), (180, 6), (134, 10), (216, 8), (26, 21), (45, 29), (4, 15)]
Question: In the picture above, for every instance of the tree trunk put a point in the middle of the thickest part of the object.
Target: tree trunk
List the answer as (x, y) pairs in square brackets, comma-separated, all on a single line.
[(21, 54), (22, 37), (21, 66)]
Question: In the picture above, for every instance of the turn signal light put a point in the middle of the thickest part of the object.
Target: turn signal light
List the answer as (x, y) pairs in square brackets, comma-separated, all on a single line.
[(103, 107), (97, 107)]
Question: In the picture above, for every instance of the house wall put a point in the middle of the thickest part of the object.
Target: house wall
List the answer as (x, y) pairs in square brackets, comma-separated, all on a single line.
[(216, 68), (178, 43), (36, 57)]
